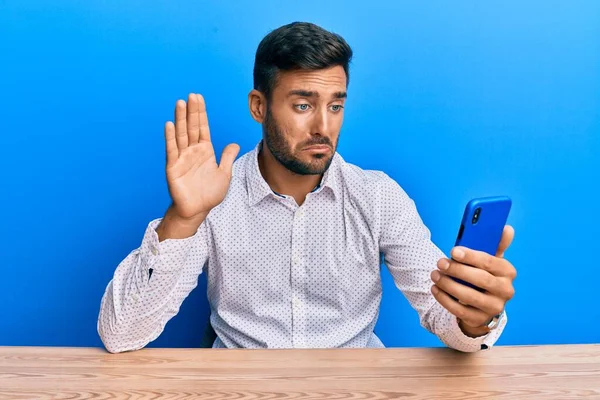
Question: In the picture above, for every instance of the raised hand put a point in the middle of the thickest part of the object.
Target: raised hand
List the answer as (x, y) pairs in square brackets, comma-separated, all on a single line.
[(196, 182)]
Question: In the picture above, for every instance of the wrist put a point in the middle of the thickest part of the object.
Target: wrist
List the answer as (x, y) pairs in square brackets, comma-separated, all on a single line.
[(173, 214), (173, 226), (471, 331)]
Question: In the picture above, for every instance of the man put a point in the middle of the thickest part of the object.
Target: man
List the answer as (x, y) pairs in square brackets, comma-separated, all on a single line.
[(290, 235)]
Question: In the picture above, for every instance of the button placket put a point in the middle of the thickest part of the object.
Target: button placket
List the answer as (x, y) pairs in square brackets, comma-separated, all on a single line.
[(298, 279)]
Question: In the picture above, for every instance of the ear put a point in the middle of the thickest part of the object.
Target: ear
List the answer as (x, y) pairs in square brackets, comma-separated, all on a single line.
[(257, 102)]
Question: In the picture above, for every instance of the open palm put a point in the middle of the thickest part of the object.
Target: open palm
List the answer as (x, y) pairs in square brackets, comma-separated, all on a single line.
[(196, 182)]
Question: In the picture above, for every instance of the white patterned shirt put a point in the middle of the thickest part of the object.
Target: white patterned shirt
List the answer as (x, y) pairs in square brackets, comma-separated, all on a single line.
[(286, 276)]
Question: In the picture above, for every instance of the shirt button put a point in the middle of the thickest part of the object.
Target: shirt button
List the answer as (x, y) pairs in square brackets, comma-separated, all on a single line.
[(136, 298), (154, 250), (296, 260)]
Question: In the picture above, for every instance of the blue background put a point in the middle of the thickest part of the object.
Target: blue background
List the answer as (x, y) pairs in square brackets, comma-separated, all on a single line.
[(452, 99)]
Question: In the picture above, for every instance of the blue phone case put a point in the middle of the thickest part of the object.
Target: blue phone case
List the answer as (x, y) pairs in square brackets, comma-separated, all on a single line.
[(482, 225)]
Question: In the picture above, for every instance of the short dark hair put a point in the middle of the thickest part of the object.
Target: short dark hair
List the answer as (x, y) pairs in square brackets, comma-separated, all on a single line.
[(299, 45)]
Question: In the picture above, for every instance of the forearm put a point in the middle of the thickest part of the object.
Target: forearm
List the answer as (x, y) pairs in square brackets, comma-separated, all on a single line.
[(136, 305)]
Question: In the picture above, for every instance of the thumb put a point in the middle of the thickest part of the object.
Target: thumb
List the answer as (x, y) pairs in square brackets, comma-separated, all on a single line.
[(228, 157), (507, 237)]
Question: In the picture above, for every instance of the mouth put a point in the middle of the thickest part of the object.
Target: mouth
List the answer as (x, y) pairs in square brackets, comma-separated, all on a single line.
[(320, 148)]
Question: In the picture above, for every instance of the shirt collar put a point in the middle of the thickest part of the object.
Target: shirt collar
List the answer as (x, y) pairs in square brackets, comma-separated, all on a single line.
[(258, 188)]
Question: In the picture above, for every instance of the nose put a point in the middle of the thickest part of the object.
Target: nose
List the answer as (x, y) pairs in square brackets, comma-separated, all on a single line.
[(321, 123)]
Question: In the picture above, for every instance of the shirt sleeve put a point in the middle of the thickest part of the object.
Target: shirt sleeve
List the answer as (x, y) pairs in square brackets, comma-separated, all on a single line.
[(411, 256), (148, 288)]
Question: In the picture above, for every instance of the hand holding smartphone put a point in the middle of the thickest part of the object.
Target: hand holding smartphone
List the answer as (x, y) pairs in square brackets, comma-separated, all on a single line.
[(482, 225)]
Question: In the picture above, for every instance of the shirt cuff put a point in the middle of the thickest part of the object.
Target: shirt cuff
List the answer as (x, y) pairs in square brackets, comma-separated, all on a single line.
[(455, 338), (163, 256)]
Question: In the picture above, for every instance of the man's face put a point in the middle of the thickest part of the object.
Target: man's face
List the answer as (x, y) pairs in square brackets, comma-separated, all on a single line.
[(304, 117)]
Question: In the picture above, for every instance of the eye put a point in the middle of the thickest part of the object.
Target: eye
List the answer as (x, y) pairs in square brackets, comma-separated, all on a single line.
[(302, 107), (336, 107)]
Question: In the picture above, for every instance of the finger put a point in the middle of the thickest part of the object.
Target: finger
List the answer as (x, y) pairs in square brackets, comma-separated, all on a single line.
[(228, 157), (203, 118), (180, 125), (172, 152), (471, 316), (487, 303), (193, 122), (480, 259), (497, 286), (508, 235)]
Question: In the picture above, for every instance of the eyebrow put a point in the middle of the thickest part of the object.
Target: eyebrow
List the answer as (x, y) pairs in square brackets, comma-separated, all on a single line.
[(309, 93)]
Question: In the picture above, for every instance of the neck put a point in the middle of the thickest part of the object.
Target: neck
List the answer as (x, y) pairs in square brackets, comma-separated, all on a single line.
[(282, 180)]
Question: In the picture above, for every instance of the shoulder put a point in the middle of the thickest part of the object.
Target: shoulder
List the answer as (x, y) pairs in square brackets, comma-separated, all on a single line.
[(371, 185), (240, 166), (237, 194)]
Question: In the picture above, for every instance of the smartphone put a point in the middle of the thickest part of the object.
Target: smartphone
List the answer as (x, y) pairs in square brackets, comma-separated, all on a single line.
[(482, 225)]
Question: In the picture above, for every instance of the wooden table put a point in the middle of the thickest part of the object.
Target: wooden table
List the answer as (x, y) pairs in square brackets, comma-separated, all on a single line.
[(532, 372)]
